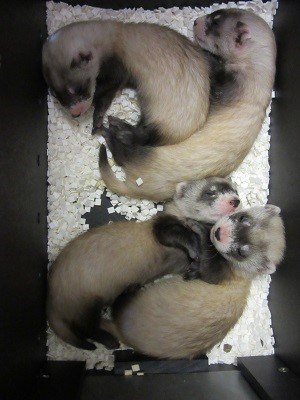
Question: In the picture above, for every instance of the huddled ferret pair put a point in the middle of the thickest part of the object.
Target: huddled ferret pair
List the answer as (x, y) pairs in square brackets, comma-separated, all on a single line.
[(182, 319), (91, 61), (97, 266), (242, 81)]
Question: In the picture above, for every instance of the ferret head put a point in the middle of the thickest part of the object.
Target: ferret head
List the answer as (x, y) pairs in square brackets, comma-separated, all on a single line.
[(252, 240), (70, 70), (206, 200), (233, 34)]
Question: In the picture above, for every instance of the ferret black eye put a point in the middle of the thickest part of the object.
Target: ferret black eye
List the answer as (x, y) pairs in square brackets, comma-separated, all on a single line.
[(210, 193), (81, 90), (242, 218)]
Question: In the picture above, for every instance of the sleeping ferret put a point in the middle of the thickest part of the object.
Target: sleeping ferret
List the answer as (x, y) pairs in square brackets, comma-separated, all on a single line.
[(178, 318), (244, 66), (89, 62), (97, 266)]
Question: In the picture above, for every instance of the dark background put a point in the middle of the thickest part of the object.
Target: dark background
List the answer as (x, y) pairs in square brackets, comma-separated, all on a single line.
[(23, 198)]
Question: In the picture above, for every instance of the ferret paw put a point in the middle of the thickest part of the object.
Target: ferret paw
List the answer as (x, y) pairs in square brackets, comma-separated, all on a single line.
[(118, 123), (192, 272), (97, 123), (97, 130)]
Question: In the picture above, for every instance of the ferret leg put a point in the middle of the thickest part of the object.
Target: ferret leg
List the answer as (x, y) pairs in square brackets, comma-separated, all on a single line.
[(80, 334), (171, 232), (142, 134), (121, 143), (122, 131), (81, 343), (120, 151), (193, 271), (106, 338), (112, 78), (194, 225), (87, 327), (70, 334)]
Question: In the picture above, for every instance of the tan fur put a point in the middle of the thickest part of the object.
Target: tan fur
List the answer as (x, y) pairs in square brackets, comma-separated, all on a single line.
[(103, 262), (180, 319), (171, 71), (172, 77), (97, 266), (228, 135)]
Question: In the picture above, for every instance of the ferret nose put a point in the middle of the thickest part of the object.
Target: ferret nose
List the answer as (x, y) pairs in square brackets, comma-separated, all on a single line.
[(195, 22), (217, 233), (235, 203)]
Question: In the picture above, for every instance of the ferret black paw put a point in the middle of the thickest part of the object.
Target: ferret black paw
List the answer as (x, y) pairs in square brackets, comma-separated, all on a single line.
[(97, 124), (97, 130), (85, 345), (118, 123), (192, 272), (122, 132), (105, 338)]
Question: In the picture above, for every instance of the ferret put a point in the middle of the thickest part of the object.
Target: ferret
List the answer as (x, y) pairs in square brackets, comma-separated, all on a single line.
[(243, 48), (97, 266), (178, 318), (89, 62)]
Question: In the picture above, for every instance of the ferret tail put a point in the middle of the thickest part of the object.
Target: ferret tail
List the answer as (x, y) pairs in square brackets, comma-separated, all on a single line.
[(109, 178)]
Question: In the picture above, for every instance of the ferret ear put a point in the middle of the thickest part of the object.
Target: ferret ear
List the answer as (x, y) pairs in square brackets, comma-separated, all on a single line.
[(231, 181), (272, 210), (81, 60), (242, 34), (181, 189)]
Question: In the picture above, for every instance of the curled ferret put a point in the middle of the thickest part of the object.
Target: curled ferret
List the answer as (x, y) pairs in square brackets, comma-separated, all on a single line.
[(243, 53), (97, 266), (89, 62), (176, 318)]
